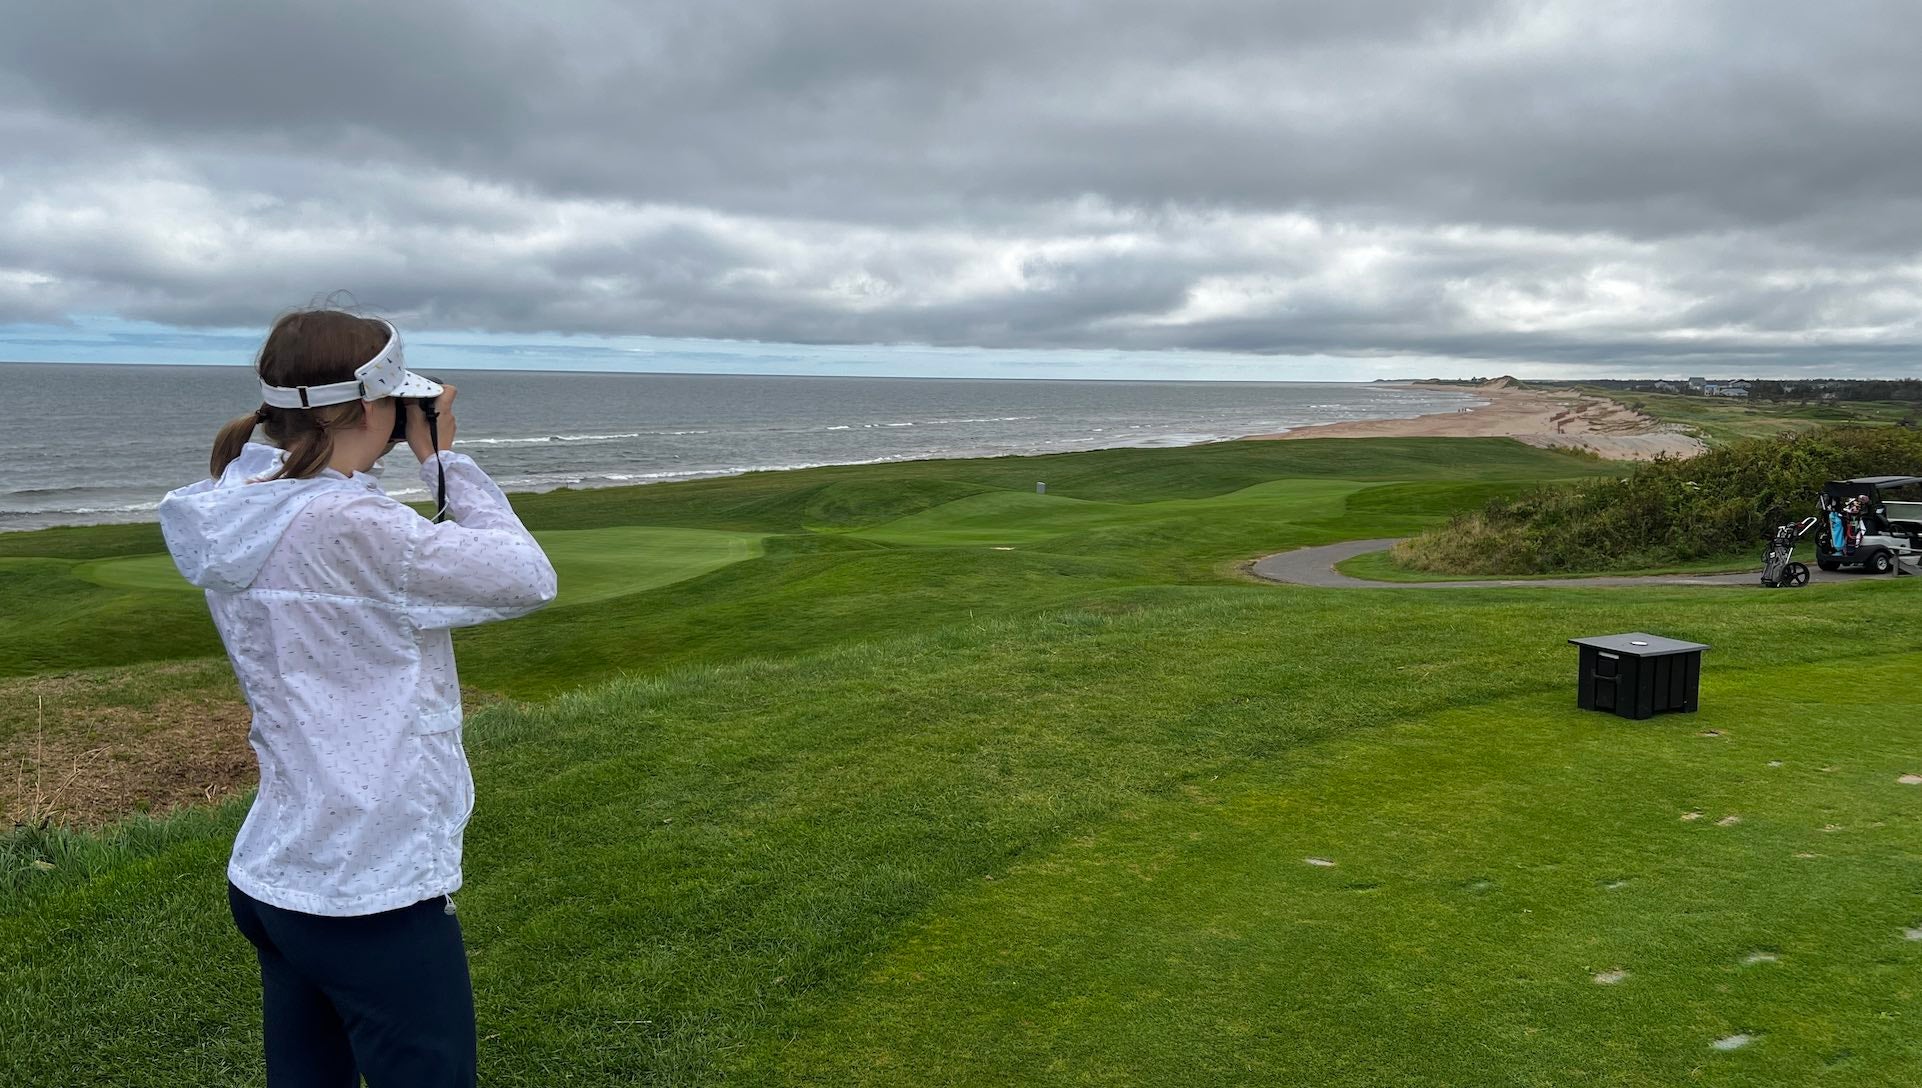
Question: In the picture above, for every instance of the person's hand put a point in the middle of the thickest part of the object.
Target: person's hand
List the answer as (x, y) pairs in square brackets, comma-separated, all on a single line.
[(417, 436)]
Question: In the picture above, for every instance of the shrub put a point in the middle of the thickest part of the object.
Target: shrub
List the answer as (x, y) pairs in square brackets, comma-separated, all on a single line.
[(1665, 511)]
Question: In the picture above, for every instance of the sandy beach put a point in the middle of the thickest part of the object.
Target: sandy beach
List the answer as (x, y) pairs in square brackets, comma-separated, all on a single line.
[(1540, 417)]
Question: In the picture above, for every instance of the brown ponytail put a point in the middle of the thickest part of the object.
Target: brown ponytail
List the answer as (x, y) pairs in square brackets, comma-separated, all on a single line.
[(228, 443), (308, 347)]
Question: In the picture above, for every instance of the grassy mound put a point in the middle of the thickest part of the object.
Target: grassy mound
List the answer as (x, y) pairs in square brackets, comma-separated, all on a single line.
[(1665, 513)]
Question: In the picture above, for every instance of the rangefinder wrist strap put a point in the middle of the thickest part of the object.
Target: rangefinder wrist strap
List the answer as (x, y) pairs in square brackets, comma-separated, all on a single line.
[(440, 464)]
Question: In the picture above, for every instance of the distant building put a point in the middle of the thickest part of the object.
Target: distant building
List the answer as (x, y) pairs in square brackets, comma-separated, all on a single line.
[(1725, 389), (1665, 387), (1697, 383)]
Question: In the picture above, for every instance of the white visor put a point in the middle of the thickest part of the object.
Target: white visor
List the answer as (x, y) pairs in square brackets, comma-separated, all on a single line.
[(385, 375)]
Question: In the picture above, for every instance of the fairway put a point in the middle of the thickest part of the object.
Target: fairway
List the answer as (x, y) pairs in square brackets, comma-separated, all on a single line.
[(593, 564), (1494, 895), (1017, 517), (905, 774)]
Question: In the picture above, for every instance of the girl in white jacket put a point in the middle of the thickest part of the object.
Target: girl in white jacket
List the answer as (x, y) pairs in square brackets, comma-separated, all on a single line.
[(334, 602)]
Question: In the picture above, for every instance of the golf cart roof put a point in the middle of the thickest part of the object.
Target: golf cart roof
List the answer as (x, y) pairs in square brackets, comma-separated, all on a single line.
[(1882, 481)]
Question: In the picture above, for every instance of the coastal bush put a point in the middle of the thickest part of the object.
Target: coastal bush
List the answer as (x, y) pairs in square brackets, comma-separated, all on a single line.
[(1666, 511)]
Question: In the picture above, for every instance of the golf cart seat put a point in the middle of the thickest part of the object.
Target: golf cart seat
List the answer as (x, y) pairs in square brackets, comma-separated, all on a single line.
[(1908, 515)]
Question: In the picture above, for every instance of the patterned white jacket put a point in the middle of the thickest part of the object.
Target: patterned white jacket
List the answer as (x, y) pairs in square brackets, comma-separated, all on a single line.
[(334, 602)]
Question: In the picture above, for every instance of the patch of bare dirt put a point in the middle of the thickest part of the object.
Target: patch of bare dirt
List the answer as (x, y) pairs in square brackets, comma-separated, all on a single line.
[(86, 763), (85, 749)]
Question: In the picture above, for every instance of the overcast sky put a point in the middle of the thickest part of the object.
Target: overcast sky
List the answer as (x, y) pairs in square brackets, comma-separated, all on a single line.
[(1349, 189)]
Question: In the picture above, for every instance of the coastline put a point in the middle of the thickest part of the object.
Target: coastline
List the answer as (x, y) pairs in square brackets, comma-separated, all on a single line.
[(647, 429), (1547, 418), (1543, 418)]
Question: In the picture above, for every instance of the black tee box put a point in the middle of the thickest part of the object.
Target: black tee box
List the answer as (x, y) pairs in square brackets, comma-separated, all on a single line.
[(1638, 675)]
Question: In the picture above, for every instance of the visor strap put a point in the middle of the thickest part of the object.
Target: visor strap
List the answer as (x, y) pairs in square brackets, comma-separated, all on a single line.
[(303, 397)]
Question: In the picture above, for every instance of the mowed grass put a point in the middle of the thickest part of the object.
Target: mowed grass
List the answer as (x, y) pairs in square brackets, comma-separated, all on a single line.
[(868, 865), (816, 581), (600, 563), (888, 805), (1514, 893), (1013, 517)]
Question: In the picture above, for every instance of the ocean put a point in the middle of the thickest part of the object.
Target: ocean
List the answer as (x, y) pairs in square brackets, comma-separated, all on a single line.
[(101, 443)]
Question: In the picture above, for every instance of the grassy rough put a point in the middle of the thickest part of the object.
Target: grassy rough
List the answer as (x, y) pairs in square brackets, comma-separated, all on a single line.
[(1381, 567), (1722, 420)]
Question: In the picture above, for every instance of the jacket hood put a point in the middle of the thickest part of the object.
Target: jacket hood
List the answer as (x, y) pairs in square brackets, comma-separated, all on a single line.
[(220, 532)]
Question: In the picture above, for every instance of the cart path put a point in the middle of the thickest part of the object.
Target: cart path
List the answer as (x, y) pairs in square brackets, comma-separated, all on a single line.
[(1316, 567)]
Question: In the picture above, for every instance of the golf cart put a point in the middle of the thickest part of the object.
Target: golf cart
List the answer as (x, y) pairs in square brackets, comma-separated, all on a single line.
[(1871, 523)]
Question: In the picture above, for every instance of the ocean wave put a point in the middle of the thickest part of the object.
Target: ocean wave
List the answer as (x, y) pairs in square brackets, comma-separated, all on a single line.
[(875, 424), (549, 439), (986, 419), (124, 508), (74, 489), (556, 480)]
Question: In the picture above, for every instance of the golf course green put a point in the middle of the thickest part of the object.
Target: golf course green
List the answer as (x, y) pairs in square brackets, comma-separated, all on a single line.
[(906, 774)]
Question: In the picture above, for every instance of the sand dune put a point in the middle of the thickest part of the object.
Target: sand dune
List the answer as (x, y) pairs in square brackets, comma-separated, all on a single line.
[(1540, 417)]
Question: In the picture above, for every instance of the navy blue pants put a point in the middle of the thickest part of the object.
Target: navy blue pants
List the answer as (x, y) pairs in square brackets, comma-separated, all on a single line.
[(385, 996)]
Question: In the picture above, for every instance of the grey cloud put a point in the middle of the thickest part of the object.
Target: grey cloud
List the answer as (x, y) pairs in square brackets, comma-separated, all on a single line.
[(1563, 182), (795, 109)]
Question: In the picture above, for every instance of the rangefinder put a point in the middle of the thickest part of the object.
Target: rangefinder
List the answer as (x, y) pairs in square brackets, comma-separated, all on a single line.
[(400, 414)]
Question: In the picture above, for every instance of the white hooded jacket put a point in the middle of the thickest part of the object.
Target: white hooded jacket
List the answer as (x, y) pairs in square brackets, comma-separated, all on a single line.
[(334, 602)]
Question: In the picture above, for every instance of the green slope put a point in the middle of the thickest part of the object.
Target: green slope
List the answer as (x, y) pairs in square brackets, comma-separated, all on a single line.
[(883, 804), (1518, 893)]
